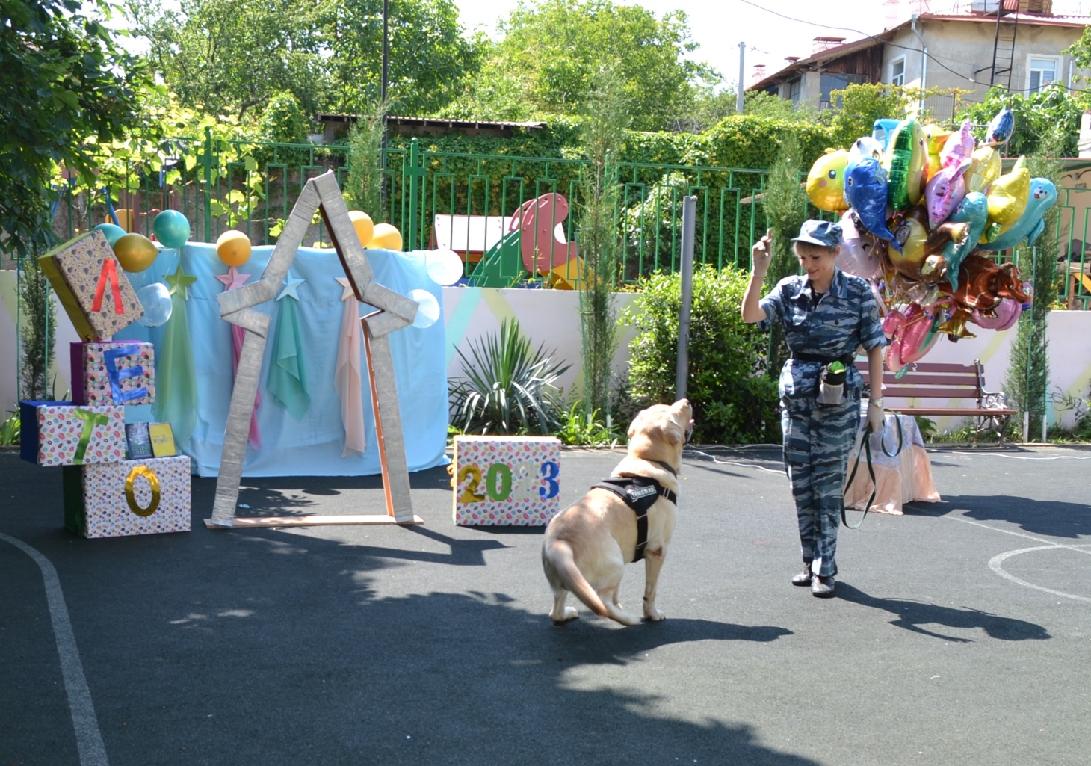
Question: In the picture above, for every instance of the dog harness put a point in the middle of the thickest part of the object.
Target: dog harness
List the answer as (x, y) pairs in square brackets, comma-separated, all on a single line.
[(640, 494)]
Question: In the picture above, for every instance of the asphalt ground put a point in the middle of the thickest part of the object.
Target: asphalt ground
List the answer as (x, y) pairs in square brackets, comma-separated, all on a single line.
[(961, 631)]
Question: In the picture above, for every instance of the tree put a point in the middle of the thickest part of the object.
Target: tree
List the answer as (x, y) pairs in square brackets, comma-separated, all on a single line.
[(1028, 373), (552, 51), (600, 239), (1036, 114), (233, 56), (428, 63), (63, 80)]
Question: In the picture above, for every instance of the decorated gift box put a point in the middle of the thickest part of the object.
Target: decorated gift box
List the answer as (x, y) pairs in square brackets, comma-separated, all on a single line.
[(64, 433), (130, 497), (113, 372), (91, 286), (506, 480)]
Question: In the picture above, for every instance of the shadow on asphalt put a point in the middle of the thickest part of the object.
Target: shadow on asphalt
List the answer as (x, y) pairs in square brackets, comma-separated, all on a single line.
[(1055, 518), (914, 615)]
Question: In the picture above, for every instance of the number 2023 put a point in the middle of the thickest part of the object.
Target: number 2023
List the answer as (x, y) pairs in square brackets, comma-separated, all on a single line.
[(498, 481)]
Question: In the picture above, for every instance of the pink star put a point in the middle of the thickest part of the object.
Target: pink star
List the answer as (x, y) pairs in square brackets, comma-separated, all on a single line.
[(347, 291), (233, 278)]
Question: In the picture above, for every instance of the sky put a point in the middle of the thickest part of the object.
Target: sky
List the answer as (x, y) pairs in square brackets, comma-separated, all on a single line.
[(771, 29)]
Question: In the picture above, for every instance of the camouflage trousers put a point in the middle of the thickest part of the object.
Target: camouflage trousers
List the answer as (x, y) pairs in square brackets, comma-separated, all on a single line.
[(817, 442)]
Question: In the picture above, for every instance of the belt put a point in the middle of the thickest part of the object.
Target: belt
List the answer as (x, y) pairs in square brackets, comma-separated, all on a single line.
[(847, 359)]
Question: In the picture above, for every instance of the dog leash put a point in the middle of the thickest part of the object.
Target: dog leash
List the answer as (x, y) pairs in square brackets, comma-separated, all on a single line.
[(865, 447)]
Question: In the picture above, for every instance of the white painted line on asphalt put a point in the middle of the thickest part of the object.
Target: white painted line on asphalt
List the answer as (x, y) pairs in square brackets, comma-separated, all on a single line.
[(996, 563), (1018, 457), (92, 750), (717, 461)]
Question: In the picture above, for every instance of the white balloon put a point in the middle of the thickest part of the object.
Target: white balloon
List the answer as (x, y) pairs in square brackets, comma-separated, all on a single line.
[(155, 299), (444, 267), (427, 308)]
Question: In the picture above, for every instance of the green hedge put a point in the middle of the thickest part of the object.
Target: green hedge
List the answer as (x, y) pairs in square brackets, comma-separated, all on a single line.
[(734, 399)]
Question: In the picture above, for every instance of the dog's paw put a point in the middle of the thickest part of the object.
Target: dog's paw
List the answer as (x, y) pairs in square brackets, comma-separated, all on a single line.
[(654, 615), (570, 613)]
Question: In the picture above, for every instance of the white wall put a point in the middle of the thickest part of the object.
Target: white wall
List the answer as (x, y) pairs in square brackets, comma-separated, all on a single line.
[(551, 317)]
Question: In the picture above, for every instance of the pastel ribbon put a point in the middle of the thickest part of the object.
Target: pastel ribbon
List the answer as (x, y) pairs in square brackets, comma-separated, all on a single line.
[(116, 376), (348, 371), (287, 377), (90, 420), (142, 471), (108, 273)]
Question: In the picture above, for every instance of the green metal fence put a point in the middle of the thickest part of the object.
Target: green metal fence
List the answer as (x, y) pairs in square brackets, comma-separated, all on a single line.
[(465, 201)]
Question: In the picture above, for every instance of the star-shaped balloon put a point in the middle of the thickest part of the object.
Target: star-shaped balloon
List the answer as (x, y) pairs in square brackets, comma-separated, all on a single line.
[(291, 285), (233, 278), (180, 281)]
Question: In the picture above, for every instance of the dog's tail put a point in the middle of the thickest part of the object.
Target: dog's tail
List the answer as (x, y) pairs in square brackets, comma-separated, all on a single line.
[(562, 572)]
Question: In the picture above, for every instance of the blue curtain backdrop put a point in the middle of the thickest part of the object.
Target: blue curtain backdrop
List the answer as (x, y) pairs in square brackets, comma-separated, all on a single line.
[(312, 445)]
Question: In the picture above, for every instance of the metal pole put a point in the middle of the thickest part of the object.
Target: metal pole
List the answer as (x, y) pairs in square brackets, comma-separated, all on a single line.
[(740, 89), (689, 222), (386, 51)]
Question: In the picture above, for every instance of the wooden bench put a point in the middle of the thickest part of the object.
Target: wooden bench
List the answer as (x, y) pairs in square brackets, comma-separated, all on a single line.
[(934, 381)]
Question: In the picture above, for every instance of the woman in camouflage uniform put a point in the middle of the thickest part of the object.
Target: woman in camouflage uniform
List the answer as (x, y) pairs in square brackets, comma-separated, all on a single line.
[(827, 316)]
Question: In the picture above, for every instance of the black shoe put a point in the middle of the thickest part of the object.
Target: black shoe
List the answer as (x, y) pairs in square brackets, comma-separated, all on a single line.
[(823, 587), (803, 579)]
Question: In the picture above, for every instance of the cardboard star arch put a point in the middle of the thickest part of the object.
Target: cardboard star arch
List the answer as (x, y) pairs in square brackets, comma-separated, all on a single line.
[(393, 312)]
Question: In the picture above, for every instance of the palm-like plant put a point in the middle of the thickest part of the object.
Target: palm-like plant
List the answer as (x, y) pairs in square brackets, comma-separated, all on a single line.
[(509, 387)]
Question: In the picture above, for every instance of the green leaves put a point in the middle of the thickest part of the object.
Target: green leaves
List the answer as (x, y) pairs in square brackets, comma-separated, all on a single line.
[(508, 387)]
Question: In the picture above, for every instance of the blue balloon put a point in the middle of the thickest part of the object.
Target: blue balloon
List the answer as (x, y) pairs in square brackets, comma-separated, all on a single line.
[(112, 231), (155, 298), (865, 191), (883, 129), (172, 229)]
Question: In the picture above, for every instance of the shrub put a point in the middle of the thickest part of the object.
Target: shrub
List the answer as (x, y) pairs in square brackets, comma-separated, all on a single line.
[(734, 398), (509, 388)]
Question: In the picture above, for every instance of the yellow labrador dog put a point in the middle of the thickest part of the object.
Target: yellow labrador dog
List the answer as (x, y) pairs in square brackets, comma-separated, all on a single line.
[(588, 544)]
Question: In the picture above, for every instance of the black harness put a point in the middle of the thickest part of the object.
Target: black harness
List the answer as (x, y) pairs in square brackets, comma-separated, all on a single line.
[(640, 494)]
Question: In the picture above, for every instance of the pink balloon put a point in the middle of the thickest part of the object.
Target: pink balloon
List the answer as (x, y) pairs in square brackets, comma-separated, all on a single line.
[(943, 193), (860, 252), (1004, 315)]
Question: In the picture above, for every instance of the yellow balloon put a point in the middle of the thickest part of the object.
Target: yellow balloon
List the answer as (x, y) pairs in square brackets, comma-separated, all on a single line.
[(826, 182), (984, 169), (386, 237), (363, 224), (1007, 198), (910, 258), (135, 252), (233, 248)]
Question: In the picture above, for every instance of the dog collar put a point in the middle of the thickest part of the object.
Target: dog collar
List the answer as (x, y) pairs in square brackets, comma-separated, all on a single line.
[(666, 466)]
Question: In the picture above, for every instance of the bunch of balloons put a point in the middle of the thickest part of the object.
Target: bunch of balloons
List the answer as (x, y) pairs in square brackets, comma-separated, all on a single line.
[(916, 204), (136, 253)]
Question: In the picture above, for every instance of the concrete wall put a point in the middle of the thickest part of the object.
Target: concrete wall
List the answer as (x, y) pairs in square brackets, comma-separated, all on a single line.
[(967, 48), (552, 317)]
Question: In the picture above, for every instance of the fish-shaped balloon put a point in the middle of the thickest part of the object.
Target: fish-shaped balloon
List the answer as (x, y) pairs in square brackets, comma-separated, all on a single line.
[(866, 192), (904, 161), (865, 146), (984, 169), (1031, 224), (1007, 199), (826, 181), (943, 193), (973, 210), (959, 147), (883, 129), (1001, 127)]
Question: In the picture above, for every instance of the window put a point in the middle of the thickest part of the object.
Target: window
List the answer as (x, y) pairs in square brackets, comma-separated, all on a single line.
[(793, 90), (1041, 71), (897, 71)]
